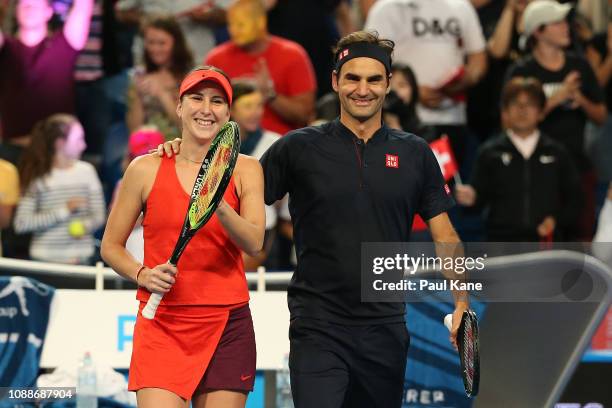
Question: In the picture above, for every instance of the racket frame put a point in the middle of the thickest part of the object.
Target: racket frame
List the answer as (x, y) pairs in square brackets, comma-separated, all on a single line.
[(469, 318)]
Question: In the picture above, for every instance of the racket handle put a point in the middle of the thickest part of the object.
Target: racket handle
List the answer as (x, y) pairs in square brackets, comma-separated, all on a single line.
[(148, 312), (448, 321)]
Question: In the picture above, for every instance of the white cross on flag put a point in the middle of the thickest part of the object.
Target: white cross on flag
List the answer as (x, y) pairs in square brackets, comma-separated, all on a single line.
[(444, 154)]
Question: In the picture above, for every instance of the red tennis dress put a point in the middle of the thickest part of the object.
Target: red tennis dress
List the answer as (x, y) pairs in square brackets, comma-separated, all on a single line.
[(205, 313)]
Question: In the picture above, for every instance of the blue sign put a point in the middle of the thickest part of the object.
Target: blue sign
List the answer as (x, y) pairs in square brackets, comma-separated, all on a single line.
[(433, 371), (24, 314), (123, 334)]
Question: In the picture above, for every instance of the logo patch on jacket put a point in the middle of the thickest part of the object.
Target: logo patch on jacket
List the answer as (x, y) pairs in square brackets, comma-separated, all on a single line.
[(544, 159), (506, 158), (392, 161)]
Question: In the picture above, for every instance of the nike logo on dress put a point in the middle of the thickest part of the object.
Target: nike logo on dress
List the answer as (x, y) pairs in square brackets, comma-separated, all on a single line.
[(245, 377)]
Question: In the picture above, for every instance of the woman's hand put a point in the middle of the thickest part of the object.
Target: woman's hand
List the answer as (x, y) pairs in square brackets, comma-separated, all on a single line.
[(160, 279)]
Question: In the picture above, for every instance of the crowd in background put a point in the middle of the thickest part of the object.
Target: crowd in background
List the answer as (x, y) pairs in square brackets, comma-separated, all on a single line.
[(521, 90)]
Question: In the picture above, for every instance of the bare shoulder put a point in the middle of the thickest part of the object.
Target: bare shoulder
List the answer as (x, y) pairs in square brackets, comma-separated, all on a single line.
[(247, 163), (248, 173), (145, 163), (142, 170)]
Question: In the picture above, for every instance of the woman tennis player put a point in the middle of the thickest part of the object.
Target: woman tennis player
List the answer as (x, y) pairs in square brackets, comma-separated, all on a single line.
[(201, 344)]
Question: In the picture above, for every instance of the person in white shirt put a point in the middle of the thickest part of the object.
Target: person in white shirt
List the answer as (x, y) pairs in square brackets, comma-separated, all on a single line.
[(442, 41)]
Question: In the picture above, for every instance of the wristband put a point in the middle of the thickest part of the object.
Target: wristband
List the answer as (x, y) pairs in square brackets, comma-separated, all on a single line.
[(140, 269)]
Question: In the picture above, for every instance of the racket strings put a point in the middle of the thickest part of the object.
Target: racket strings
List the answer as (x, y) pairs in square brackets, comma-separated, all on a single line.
[(218, 164), (468, 352)]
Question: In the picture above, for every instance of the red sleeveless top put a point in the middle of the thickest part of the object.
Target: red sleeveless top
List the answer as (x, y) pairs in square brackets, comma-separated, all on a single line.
[(210, 271)]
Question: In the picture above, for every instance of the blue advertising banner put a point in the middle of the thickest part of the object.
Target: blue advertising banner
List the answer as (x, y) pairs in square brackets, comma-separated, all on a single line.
[(433, 372), (24, 314)]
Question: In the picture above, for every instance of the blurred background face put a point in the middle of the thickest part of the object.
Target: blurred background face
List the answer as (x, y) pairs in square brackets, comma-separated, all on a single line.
[(33, 13), (556, 34), (244, 26), (74, 144), (401, 86), (522, 114), (159, 45), (248, 110)]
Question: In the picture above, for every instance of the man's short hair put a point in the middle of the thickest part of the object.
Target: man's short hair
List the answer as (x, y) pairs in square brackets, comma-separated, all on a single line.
[(519, 85)]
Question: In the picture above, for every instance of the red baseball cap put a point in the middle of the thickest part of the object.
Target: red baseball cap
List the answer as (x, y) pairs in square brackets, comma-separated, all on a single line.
[(206, 74)]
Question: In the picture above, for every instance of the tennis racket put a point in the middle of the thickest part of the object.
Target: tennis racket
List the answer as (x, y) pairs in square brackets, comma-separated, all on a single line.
[(212, 180), (469, 350)]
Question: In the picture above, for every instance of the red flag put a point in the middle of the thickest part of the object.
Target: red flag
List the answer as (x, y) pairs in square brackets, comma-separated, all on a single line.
[(602, 340), (444, 154), (418, 224), (454, 77)]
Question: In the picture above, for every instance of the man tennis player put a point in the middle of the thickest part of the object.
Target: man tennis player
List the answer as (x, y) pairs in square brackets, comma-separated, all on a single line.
[(350, 181)]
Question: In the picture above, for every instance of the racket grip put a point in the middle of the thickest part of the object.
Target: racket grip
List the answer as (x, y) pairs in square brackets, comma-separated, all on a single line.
[(148, 312), (448, 321)]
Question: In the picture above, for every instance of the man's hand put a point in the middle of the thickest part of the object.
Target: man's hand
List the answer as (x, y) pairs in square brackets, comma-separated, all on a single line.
[(159, 279), (547, 227), (169, 148), (571, 87), (75, 203), (264, 80), (150, 86), (457, 316), (430, 97), (465, 195)]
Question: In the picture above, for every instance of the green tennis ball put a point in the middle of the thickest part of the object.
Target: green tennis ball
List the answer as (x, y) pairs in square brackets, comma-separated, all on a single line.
[(76, 228)]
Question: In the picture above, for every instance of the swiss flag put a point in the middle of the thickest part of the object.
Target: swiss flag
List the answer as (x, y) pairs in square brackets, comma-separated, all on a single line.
[(444, 154)]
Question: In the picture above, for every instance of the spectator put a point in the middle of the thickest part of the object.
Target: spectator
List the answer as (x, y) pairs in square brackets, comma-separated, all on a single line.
[(504, 41), (436, 38), (316, 26), (9, 193), (596, 13), (63, 204), (281, 67), (13, 245), (247, 110), (197, 19), (501, 25), (36, 66), (364, 7), (98, 60), (153, 93), (327, 109), (399, 110), (572, 92), (599, 54), (527, 180)]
